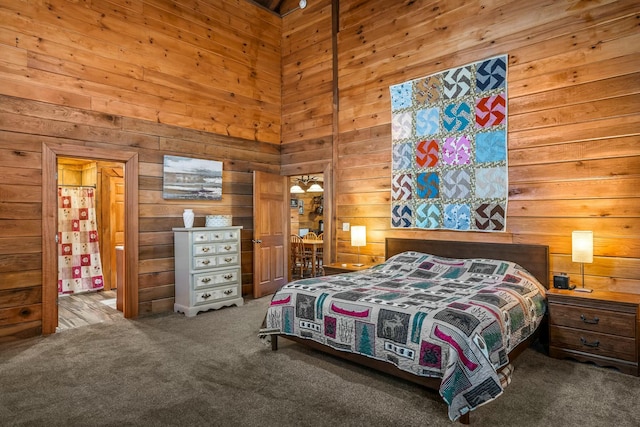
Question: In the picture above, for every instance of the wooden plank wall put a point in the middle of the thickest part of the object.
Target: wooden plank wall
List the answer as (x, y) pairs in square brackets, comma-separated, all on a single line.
[(574, 119), (190, 78), (307, 89)]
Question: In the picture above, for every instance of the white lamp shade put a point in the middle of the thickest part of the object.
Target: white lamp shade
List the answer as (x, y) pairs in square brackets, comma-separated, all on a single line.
[(582, 246), (315, 188), (296, 189), (358, 235)]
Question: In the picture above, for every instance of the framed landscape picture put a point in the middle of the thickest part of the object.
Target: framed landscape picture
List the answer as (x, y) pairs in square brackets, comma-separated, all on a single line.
[(185, 178)]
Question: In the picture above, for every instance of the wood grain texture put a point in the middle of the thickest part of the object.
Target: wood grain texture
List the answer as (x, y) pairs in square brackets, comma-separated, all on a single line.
[(21, 246), (294, 96), (574, 120)]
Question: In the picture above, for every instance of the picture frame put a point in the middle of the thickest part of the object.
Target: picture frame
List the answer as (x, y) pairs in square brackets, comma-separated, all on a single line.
[(293, 203), (186, 178)]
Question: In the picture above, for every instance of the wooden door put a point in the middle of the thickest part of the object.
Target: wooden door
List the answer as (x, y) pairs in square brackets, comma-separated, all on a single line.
[(270, 232), (112, 224)]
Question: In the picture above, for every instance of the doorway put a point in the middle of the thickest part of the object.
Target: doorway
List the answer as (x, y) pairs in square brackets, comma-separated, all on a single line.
[(50, 154), (96, 294), (307, 225), (306, 204)]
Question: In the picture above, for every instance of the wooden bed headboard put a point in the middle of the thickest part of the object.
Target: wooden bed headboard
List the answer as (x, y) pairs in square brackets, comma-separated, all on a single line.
[(533, 258)]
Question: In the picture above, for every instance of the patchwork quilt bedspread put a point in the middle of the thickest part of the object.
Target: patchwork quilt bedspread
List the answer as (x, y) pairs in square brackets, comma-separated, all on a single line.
[(455, 319)]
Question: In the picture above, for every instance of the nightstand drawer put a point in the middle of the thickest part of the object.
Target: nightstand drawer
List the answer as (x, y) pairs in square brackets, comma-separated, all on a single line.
[(594, 343), (590, 319)]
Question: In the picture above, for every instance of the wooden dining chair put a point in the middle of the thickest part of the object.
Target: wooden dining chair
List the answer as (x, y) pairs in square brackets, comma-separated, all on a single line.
[(308, 251), (319, 258), (300, 259)]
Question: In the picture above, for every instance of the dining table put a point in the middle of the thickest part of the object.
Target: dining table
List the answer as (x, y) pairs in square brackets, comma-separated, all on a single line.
[(312, 245)]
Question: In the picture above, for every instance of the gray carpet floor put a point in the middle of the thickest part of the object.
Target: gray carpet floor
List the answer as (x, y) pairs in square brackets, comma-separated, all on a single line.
[(213, 370)]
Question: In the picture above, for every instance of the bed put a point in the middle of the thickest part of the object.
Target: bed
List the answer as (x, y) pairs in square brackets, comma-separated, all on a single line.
[(448, 315)]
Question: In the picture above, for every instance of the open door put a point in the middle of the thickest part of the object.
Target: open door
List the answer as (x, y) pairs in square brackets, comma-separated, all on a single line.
[(112, 224), (270, 232)]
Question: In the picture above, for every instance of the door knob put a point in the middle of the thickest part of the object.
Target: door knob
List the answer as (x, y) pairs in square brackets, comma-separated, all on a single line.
[(256, 240)]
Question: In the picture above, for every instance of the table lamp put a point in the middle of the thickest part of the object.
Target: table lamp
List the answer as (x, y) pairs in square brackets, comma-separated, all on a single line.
[(582, 251), (358, 238)]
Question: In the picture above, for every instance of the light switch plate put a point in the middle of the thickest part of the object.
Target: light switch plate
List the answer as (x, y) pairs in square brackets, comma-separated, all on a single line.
[(345, 226)]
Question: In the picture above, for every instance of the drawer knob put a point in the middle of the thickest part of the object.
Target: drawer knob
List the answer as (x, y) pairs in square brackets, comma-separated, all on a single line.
[(228, 292), (228, 259), (206, 280), (206, 262), (205, 296), (593, 321), (205, 249), (228, 276), (596, 343), (228, 248)]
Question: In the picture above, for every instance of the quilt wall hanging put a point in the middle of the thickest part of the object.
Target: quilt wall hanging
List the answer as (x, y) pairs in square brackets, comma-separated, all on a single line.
[(449, 149)]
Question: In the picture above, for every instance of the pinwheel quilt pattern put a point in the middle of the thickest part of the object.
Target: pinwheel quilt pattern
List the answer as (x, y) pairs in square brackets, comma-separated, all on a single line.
[(449, 149)]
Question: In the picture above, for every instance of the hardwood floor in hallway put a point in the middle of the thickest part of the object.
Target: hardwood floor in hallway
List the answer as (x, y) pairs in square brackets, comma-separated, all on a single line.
[(85, 309)]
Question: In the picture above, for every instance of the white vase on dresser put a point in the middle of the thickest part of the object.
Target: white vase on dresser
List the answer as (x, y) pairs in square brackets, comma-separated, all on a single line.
[(207, 268), (188, 216)]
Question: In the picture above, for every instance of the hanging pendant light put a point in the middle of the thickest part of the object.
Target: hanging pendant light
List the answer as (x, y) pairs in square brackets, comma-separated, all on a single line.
[(315, 188), (296, 189)]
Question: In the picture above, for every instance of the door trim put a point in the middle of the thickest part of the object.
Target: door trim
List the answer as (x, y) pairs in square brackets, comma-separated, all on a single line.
[(50, 153)]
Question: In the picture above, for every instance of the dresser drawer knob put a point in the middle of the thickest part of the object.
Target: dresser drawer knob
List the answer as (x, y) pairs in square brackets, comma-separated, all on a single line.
[(205, 249), (228, 259), (228, 292), (228, 276), (206, 280), (205, 296), (206, 262), (593, 321), (596, 343), (228, 248)]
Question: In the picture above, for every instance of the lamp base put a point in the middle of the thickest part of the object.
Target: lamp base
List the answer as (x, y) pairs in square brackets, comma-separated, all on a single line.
[(586, 290)]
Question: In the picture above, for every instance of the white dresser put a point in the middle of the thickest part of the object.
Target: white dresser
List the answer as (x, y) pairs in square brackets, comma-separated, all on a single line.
[(207, 265)]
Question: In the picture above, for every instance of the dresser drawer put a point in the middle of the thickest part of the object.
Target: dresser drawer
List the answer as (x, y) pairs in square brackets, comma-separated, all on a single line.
[(211, 295), (227, 260), (204, 249), (215, 278), (591, 319), (201, 262), (201, 236), (215, 248), (215, 236), (594, 343), (222, 235), (226, 248)]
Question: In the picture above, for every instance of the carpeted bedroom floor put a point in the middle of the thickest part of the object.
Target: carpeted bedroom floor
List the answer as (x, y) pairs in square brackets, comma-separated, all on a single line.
[(213, 370)]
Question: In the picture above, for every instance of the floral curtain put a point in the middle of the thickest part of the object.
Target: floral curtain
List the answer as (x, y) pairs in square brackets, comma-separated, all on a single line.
[(79, 265)]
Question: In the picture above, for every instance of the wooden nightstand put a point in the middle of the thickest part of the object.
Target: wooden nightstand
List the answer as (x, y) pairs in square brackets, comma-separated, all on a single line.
[(600, 327), (338, 268)]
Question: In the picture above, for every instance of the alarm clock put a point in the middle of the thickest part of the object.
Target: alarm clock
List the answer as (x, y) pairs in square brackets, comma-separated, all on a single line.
[(561, 281)]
